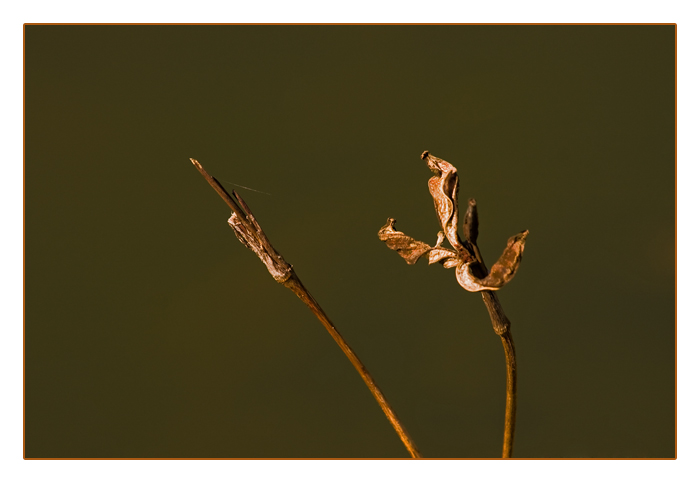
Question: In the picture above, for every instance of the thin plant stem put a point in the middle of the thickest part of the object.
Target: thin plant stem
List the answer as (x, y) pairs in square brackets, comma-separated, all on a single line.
[(511, 402), (501, 325), (295, 285), (471, 271), (250, 233)]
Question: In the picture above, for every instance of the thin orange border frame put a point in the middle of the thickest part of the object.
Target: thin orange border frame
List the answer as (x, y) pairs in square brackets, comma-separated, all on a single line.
[(334, 24)]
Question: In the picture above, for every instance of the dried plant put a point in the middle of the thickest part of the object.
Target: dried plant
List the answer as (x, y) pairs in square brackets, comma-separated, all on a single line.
[(471, 271), (249, 232), (463, 255)]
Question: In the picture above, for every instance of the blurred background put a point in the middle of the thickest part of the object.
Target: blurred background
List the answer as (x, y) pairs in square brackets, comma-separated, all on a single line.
[(150, 331)]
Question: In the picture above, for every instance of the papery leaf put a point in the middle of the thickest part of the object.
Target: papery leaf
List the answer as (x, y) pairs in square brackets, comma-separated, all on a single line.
[(502, 271), (509, 261), (410, 249), (444, 189), (445, 256)]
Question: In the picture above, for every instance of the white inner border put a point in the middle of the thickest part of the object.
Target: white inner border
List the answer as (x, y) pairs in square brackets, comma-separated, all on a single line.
[(15, 14)]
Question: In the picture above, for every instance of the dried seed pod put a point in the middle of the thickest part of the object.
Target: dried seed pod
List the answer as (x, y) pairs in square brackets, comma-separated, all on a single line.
[(471, 222)]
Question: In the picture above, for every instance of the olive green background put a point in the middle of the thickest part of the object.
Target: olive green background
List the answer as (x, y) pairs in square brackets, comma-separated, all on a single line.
[(150, 331)]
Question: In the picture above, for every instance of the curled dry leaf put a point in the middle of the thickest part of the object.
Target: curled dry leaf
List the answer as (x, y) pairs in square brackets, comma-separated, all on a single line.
[(444, 188), (411, 249), (502, 271)]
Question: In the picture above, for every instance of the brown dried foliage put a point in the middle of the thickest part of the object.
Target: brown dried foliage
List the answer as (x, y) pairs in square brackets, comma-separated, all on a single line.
[(464, 255)]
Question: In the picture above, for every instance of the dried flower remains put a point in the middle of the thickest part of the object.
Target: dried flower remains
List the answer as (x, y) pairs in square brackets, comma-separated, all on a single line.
[(471, 272)]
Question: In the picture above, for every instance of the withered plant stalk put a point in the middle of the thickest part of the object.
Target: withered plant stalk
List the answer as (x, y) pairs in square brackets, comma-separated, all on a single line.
[(471, 271), (251, 235), (501, 325)]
